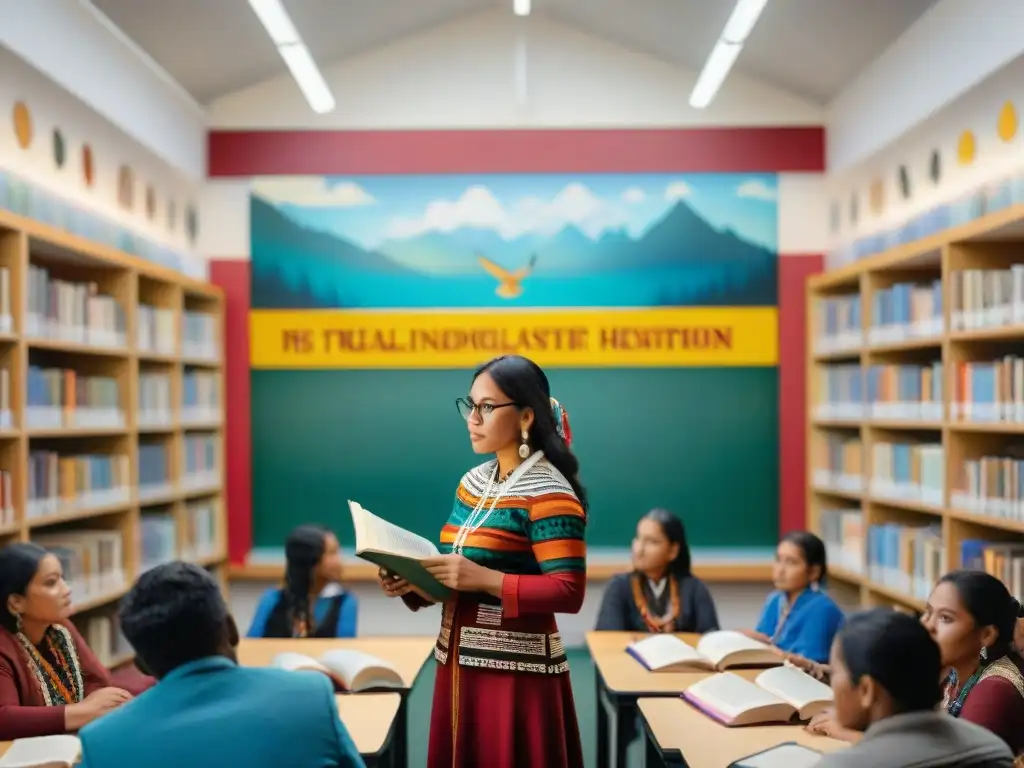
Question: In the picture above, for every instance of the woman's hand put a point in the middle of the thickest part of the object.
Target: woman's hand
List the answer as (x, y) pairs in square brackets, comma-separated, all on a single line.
[(753, 634), (812, 668), (825, 724), (95, 705), (462, 574)]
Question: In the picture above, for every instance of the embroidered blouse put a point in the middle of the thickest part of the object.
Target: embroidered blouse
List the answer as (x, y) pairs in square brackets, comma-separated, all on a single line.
[(621, 613), (996, 701), (806, 628), (27, 700), (535, 536)]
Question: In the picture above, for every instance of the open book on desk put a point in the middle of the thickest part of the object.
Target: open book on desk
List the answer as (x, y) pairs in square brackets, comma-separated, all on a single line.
[(351, 671), (715, 651), (61, 751), (789, 754), (397, 550), (778, 695)]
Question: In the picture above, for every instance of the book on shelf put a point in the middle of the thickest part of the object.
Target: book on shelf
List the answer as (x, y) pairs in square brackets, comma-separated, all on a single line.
[(155, 330), (6, 414), (907, 559), (986, 298), (61, 398), (350, 671), (72, 312), (789, 754), (59, 751), (6, 317), (839, 324), (199, 534), (905, 392), (155, 400), (778, 695), (200, 461), (991, 486), (158, 538), (906, 311), (715, 651), (154, 471), (92, 560), (199, 335), (395, 549), (62, 484), (908, 472), (843, 457), (841, 388), (989, 391), (200, 397), (1004, 560), (842, 530), (6, 498)]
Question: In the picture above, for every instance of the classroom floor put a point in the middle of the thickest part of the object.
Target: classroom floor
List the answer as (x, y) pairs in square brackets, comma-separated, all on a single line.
[(580, 667)]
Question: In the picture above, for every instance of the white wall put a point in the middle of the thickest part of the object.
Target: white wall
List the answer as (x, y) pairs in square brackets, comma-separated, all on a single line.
[(994, 159), (464, 75), (50, 108)]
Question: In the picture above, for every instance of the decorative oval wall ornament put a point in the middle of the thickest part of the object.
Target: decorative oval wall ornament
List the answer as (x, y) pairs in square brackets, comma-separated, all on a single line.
[(22, 124), (966, 148), (904, 178), (150, 202), (192, 224), (935, 167), (88, 166), (60, 150), (1008, 122), (125, 187), (876, 196)]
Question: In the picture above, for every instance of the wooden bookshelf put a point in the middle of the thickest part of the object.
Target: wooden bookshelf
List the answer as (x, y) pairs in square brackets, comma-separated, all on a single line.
[(903, 449), (111, 425)]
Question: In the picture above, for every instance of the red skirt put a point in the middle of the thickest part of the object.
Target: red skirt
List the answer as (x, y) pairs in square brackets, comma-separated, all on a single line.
[(495, 719)]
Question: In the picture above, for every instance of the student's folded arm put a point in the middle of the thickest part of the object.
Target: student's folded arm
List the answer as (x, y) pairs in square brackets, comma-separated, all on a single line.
[(20, 722), (556, 529), (615, 606)]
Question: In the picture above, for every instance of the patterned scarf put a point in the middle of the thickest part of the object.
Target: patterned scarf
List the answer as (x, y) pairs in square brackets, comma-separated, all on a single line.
[(62, 684)]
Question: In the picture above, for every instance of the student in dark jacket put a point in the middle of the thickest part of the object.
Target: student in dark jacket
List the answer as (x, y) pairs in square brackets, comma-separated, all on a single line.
[(661, 594)]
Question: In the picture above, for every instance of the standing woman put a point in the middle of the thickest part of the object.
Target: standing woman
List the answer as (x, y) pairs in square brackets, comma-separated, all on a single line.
[(311, 603), (502, 696), (661, 594)]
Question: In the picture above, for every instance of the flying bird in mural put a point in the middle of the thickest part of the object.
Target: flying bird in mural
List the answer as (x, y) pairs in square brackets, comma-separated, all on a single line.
[(510, 284)]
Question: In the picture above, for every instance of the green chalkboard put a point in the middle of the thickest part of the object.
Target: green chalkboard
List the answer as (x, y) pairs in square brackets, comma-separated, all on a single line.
[(701, 441)]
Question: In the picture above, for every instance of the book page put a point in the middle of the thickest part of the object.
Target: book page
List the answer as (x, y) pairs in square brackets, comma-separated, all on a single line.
[(349, 665), (790, 755), (794, 686), (717, 645), (664, 650), (292, 661), (63, 750), (730, 694), (375, 533)]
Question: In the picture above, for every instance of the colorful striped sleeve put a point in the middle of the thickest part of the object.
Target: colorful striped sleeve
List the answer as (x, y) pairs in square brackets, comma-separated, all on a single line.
[(557, 527)]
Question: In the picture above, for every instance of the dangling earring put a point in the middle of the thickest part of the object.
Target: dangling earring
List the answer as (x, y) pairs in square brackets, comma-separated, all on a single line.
[(524, 449), (17, 622), (984, 653)]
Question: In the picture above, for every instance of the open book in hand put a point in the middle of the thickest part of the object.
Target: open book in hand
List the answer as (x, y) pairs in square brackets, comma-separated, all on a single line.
[(397, 550), (351, 671), (789, 754), (43, 752), (777, 695), (715, 650)]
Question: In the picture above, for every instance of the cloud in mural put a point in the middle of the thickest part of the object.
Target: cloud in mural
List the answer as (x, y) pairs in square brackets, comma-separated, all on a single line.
[(574, 204), (677, 190), (634, 195), (313, 192), (756, 190)]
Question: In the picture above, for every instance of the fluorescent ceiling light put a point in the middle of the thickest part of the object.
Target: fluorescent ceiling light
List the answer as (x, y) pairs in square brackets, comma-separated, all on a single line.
[(741, 21), (278, 24), (521, 7)]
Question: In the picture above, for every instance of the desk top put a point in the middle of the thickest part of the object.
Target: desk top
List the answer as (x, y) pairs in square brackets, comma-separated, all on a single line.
[(406, 654), (626, 676), (368, 718), (704, 743)]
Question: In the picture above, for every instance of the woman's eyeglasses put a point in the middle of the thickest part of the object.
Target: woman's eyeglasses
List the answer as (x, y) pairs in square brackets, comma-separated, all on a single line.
[(467, 406)]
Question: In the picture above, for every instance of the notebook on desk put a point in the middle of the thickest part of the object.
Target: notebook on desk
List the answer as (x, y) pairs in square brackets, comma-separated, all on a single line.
[(789, 754)]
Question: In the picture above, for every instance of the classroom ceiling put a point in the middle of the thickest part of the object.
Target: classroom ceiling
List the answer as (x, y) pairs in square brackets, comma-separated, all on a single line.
[(811, 48)]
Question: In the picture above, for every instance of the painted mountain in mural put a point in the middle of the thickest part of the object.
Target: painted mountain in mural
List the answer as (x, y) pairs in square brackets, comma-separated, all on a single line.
[(679, 260)]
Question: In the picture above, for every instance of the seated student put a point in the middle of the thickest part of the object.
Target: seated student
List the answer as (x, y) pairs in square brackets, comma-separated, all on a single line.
[(312, 576), (206, 711), (50, 682), (799, 617), (660, 595), (885, 679), (972, 617)]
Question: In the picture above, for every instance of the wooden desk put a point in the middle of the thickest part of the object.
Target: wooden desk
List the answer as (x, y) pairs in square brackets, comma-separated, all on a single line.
[(406, 654), (678, 735), (620, 681), (369, 719)]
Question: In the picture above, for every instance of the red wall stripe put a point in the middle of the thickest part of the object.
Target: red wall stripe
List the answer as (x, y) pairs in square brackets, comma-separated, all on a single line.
[(793, 273), (232, 275), (699, 150)]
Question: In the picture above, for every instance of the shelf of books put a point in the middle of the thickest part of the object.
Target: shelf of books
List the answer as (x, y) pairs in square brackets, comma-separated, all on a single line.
[(916, 412), (111, 426)]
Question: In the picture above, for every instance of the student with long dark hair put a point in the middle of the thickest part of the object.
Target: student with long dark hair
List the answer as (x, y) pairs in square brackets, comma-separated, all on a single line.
[(661, 594), (312, 602), (885, 680), (514, 555), (799, 617)]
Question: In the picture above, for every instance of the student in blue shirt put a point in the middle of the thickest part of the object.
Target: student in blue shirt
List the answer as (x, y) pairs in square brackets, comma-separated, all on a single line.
[(312, 602), (206, 711), (799, 618)]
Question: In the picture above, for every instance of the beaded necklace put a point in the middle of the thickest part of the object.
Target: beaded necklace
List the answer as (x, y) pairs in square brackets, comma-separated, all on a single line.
[(666, 622), (953, 704), (60, 685), (478, 516)]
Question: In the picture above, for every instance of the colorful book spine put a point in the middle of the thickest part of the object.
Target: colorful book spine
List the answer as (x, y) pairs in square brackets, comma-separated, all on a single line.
[(61, 398), (158, 538), (154, 471), (200, 397), (906, 311), (155, 331), (1002, 559), (72, 312), (199, 539), (906, 559), (841, 392), (200, 461), (843, 464), (908, 472), (990, 486), (986, 298), (61, 484), (905, 392), (839, 324), (989, 391), (842, 530), (155, 401), (199, 337)]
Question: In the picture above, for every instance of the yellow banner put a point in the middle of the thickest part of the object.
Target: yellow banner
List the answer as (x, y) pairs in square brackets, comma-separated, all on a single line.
[(576, 338)]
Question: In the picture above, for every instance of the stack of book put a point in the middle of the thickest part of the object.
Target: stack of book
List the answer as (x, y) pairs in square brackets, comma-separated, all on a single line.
[(842, 530), (154, 471), (92, 561), (200, 397), (986, 298), (200, 461), (907, 559), (199, 337), (990, 485), (990, 391)]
